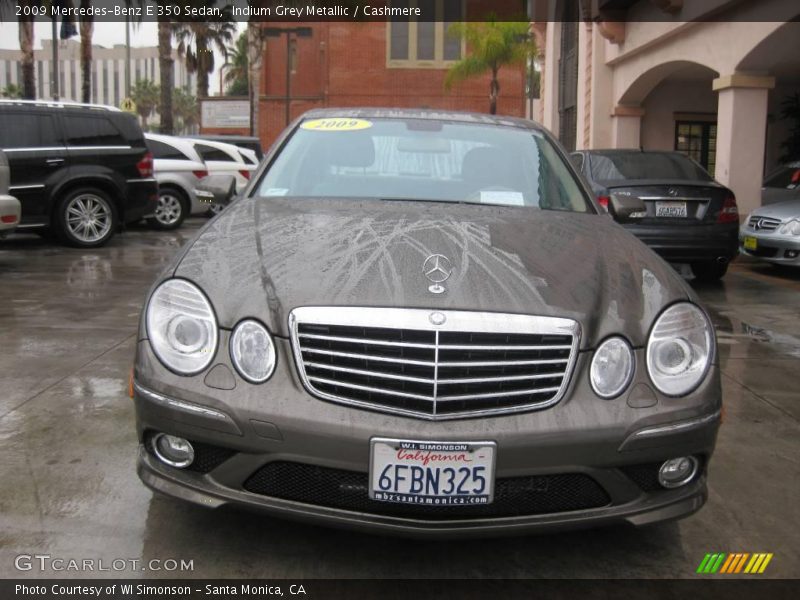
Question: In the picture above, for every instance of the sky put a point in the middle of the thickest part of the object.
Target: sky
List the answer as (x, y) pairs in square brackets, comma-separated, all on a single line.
[(105, 34)]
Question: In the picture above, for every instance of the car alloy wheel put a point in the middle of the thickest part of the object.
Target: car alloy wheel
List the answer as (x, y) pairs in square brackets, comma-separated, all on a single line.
[(88, 218), (169, 209)]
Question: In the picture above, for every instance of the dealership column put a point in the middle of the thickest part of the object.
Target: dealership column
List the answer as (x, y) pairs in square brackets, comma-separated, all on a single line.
[(741, 136), (626, 131)]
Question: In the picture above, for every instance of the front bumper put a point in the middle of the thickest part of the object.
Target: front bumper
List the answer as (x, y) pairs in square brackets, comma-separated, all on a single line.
[(772, 247), (279, 422), (689, 243)]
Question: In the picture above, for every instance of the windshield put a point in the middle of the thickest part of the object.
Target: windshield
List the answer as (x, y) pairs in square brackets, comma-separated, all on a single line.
[(425, 160), (646, 165)]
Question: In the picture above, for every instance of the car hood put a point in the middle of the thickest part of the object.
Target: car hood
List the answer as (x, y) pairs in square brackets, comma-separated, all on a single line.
[(264, 257), (780, 210)]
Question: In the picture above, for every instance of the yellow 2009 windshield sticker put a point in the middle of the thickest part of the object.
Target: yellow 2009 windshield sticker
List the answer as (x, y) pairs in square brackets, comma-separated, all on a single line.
[(336, 124)]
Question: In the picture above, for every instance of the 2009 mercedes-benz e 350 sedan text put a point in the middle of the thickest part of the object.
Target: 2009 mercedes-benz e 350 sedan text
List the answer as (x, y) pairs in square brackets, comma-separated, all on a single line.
[(421, 322)]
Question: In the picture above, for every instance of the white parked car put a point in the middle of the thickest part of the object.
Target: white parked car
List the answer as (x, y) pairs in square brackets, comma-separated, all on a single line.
[(220, 157), (10, 208), (180, 172)]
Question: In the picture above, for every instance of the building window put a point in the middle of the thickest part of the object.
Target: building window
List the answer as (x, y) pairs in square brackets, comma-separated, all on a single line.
[(698, 140), (40, 77), (94, 86), (106, 82), (74, 91), (116, 84), (424, 44), (62, 79)]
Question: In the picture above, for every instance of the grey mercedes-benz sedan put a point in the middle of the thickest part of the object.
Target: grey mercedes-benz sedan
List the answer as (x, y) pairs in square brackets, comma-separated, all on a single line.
[(422, 323)]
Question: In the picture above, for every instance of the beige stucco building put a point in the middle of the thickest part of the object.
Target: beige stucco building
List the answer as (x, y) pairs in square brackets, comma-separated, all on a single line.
[(108, 70), (707, 78)]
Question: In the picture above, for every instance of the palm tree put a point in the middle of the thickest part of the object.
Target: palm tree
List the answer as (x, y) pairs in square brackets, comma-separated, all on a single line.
[(166, 67), (197, 40), (490, 45), (255, 55), (26, 39), (86, 30), (237, 74), (146, 95)]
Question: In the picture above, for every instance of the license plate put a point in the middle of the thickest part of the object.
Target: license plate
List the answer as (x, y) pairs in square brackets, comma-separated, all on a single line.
[(432, 473), (750, 243), (671, 209)]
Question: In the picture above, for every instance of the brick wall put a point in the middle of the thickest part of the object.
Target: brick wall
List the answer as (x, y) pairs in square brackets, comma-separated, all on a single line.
[(345, 64)]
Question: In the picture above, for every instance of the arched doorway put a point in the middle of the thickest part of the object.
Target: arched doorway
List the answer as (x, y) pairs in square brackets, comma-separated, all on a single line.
[(673, 106)]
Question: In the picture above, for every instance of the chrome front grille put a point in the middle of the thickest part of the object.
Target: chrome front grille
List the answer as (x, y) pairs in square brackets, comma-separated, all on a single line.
[(764, 223), (397, 360)]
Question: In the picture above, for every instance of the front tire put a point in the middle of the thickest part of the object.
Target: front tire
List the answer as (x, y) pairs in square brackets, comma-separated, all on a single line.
[(171, 210), (85, 218), (709, 270)]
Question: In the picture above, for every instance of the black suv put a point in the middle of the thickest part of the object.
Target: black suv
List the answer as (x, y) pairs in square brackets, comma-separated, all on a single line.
[(81, 170)]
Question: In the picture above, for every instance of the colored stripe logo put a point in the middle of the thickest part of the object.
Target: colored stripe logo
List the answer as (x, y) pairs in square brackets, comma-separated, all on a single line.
[(735, 562)]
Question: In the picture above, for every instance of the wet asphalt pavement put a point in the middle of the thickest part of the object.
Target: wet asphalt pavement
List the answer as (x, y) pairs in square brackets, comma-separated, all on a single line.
[(69, 489)]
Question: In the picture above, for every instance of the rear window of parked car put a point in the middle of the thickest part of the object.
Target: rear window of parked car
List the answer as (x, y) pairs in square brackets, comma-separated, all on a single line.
[(27, 130), (210, 153), (165, 151), (784, 178), (92, 131), (645, 165)]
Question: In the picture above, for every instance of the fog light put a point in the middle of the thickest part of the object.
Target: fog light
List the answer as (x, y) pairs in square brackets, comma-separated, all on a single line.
[(677, 471), (791, 253), (173, 451)]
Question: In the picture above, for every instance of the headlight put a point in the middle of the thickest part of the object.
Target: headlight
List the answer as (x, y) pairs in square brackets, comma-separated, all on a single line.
[(790, 228), (612, 368), (182, 327), (679, 349), (252, 351)]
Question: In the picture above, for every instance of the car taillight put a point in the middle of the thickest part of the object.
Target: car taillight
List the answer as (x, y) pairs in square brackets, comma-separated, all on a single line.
[(200, 174), (145, 166), (603, 201), (729, 212), (245, 174), (9, 218)]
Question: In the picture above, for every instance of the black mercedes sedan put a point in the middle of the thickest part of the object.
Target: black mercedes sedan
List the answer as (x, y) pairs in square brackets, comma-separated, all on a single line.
[(422, 323), (688, 217)]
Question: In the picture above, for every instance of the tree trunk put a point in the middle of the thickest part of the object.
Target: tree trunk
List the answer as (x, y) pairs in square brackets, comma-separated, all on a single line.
[(494, 92), (166, 68), (86, 30), (202, 68), (26, 64), (255, 54)]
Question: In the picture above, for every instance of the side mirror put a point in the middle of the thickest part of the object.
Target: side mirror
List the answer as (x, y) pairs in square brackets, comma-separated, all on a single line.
[(626, 207)]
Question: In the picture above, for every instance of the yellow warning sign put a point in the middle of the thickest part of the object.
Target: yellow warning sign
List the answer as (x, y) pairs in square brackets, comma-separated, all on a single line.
[(128, 105), (336, 124)]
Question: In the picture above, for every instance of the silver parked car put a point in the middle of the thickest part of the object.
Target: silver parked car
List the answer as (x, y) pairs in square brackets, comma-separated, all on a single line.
[(782, 184), (180, 172), (772, 233), (10, 208), (422, 323)]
